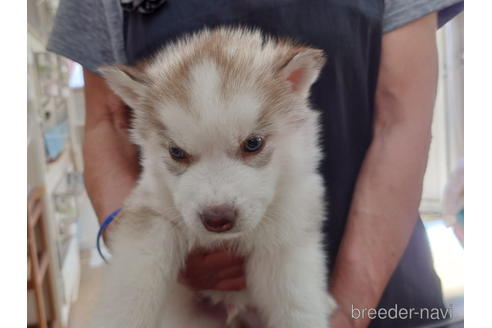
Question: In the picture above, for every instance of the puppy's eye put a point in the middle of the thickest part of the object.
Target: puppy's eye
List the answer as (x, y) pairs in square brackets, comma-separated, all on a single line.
[(253, 144), (177, 153)]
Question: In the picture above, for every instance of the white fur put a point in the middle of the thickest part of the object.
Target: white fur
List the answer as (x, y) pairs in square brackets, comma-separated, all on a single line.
[(280, 204)]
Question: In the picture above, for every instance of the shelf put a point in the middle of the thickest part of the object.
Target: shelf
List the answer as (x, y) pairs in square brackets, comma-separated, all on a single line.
[(56, 170), (30, 137), (70, 271), (51, 174)]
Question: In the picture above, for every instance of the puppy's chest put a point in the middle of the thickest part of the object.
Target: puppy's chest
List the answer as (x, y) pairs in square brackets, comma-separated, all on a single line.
[(235, 304)]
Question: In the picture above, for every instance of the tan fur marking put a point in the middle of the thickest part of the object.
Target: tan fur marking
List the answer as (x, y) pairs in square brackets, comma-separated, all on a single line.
[(245, 59)]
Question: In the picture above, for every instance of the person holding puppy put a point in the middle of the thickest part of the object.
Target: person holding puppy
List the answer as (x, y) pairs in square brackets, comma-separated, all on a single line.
[(376, 96)]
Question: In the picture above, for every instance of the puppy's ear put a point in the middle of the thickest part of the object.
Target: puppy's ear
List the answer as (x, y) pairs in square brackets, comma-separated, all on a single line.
[(128, 82), (301, 69)]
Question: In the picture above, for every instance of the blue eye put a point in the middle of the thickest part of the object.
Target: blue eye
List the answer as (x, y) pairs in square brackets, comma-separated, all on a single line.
[(177, 153), (253, 144)]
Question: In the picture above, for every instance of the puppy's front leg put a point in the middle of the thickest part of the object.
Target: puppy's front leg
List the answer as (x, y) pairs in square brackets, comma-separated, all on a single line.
[(143, 264), (289, 286)]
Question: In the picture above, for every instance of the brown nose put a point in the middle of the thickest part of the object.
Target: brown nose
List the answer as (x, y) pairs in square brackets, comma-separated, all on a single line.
[(219, 218)]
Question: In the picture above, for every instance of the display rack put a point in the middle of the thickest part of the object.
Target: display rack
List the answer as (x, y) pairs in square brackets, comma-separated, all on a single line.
[(52, 152), (39, 263)]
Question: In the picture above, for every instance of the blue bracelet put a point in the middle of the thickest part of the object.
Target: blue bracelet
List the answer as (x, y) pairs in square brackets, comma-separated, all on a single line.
[(106, 222)]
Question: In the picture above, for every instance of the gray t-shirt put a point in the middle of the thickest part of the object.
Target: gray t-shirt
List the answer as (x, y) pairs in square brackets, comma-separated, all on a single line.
[(90, 32)]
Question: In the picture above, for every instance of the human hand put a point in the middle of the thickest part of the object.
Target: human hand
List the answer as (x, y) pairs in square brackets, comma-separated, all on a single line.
[(110, 160), (214, 270)]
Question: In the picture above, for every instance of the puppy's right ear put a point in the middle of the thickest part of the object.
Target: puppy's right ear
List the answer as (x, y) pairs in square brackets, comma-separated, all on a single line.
[(301, 69), (128, 82)]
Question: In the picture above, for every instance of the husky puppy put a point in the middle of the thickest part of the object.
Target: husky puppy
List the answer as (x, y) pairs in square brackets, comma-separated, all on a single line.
[(229, 148)]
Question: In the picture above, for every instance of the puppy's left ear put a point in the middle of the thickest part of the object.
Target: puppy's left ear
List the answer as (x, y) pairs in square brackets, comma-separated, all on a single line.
[(301, 69), (128, 82)]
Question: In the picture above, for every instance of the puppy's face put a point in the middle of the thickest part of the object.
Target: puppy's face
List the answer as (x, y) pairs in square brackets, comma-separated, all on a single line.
[(213, 129), (218, 157)]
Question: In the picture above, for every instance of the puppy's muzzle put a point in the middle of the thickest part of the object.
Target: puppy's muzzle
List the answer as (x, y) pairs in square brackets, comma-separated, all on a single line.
[(219, 218)]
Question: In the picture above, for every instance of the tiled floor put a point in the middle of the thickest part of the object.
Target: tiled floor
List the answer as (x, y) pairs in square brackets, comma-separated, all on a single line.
[(448, 260)]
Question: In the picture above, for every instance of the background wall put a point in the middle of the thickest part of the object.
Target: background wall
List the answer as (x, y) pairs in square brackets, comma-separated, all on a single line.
[(447, 143)]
